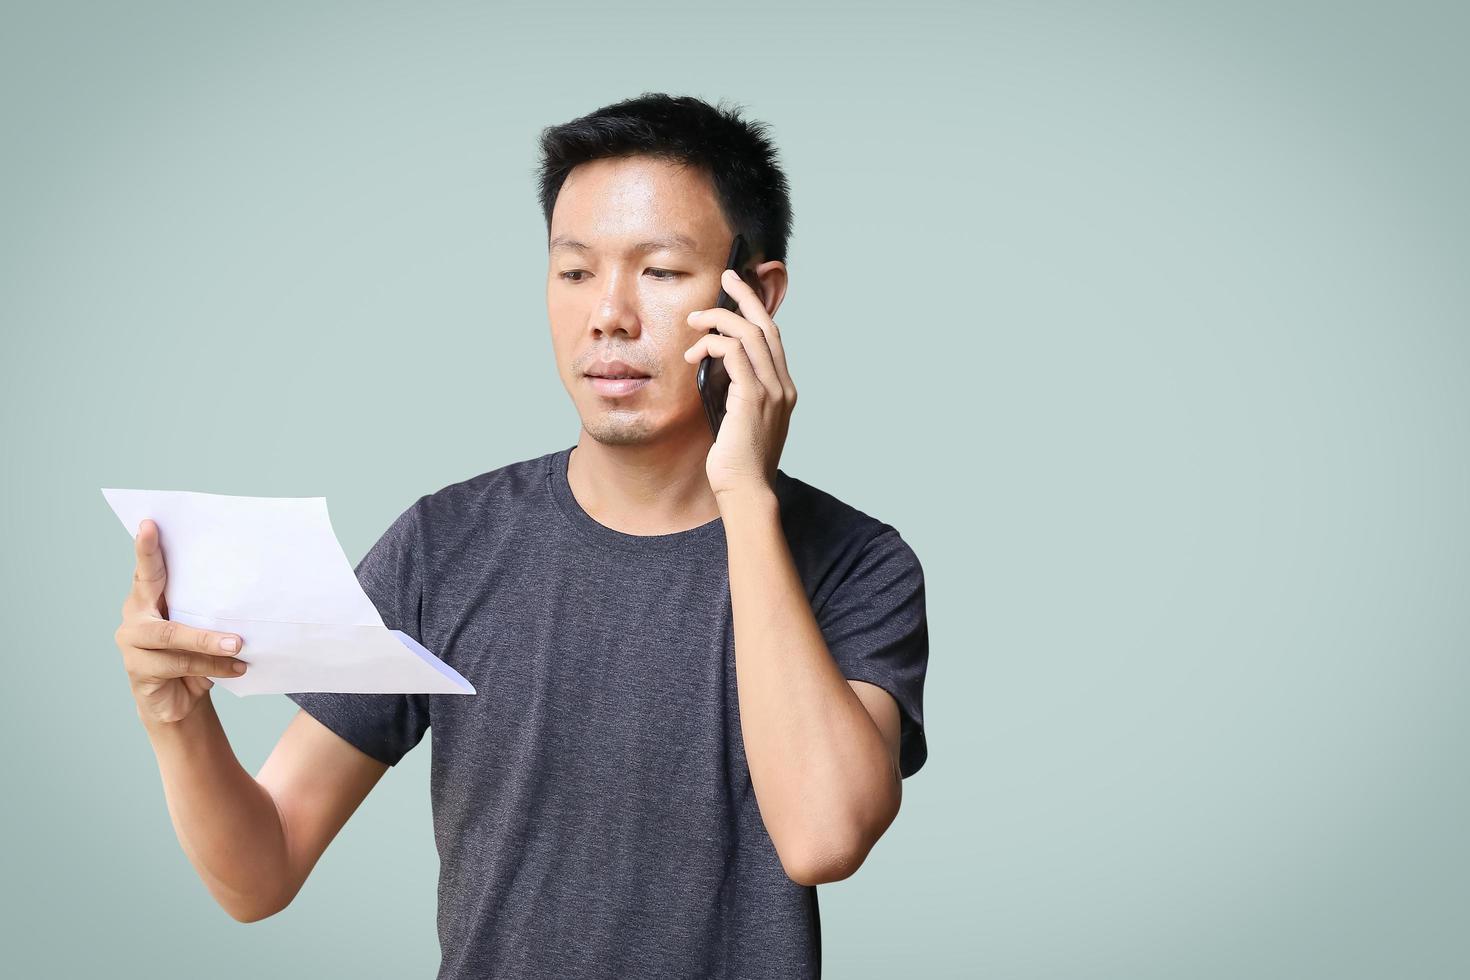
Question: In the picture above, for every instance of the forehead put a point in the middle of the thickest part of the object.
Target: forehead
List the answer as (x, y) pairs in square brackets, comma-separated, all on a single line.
[(614, 202)]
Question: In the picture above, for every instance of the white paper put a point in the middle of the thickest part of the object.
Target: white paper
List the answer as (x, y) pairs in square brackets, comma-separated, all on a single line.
[(271, 570)]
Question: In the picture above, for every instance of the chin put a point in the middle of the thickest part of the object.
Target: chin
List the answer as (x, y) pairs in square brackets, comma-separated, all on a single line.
[(620, 428)]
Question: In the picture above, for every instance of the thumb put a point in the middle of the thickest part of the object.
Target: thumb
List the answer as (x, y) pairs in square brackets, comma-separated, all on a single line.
[(149, 575)]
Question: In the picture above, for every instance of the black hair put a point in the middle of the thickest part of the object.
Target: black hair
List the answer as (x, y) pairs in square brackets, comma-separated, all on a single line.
[(738, 156)]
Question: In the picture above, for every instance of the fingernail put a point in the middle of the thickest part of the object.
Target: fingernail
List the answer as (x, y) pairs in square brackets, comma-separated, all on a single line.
[(238, 667), (230, 643)]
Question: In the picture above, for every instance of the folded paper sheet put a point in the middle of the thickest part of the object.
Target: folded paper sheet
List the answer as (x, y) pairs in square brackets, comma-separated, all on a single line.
[(271, 570)]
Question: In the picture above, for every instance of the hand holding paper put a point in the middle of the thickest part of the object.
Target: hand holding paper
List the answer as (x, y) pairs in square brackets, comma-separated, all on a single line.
[(271, 570)]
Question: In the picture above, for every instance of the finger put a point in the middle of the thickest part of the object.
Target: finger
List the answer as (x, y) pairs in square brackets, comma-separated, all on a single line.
[(149, 573), (176, 663), (166, 634), (753, 308), (778, 356), (743, 381), (753, 337)]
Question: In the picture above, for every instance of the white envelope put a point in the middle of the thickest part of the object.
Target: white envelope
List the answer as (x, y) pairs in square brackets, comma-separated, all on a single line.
[(271, 570)]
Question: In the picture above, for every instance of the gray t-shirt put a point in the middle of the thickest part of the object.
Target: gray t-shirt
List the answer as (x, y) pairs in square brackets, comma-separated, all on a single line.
[(592, 807)]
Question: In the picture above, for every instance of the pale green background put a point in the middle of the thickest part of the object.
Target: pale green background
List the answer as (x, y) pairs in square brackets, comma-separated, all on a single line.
[(1144, 323)]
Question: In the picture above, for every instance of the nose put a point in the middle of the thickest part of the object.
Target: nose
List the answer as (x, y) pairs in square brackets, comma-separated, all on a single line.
[(617, 308)]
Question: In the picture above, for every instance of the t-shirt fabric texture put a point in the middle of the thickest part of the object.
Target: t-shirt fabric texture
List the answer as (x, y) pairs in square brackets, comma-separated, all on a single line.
[(592, 808)]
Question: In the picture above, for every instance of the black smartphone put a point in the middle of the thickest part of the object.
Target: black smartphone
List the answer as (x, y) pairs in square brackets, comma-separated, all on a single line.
[(713, 380)]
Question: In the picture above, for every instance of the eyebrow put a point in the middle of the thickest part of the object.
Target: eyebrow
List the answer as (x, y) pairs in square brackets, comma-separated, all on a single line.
[(673, 243)]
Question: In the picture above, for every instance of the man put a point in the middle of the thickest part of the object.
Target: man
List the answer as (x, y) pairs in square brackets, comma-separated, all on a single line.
[(700, 679)]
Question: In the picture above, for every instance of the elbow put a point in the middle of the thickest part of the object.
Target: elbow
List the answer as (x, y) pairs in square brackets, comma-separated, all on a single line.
[(830, 861), (836, 856), (257, 913), (249, 909)]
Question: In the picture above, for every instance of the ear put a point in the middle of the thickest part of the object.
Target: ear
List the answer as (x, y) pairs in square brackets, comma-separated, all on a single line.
[(771, 284)]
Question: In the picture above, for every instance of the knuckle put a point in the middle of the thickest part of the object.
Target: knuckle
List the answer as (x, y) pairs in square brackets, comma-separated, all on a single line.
[(137, 666), (179, 663), (166, 633)]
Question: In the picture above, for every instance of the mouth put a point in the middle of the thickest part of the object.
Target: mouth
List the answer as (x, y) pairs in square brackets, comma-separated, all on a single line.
[(617, 387), (615, 378)]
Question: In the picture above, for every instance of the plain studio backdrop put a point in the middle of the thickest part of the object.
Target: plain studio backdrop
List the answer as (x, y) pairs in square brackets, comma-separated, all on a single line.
[(1144, 323)]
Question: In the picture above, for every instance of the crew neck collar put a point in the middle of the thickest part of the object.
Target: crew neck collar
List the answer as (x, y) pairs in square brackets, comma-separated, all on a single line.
[(604, 536)]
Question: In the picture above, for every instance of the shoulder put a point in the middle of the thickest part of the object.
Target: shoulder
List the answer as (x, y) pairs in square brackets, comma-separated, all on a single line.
[(829, 536), (473, 513), (488, 495)]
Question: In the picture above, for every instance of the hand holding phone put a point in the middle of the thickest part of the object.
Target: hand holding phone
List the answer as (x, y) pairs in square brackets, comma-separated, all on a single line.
[(712, 379)]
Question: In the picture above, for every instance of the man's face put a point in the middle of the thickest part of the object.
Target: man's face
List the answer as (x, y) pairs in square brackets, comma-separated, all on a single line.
[(619, 286)]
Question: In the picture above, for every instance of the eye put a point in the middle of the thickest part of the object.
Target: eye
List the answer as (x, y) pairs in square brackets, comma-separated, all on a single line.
[(573, 272), (667, 274)]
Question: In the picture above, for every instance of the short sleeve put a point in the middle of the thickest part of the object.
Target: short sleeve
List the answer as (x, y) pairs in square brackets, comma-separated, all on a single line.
[(876, 629), (384, 726)]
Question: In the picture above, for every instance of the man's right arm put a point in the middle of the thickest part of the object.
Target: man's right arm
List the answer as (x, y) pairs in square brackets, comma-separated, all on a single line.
[(254, 840)]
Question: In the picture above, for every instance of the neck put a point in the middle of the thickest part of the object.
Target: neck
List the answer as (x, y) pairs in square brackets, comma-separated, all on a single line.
[(658, 488)]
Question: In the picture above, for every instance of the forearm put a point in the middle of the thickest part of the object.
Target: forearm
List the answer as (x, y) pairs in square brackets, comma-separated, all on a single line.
[(818, 763), (228, 824)]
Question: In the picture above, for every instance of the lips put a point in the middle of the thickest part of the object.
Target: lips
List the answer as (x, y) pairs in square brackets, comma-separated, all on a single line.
[(614, 369)]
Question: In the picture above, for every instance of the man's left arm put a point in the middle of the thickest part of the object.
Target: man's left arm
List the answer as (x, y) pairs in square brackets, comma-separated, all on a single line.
[(826, 772), (822, 750)]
